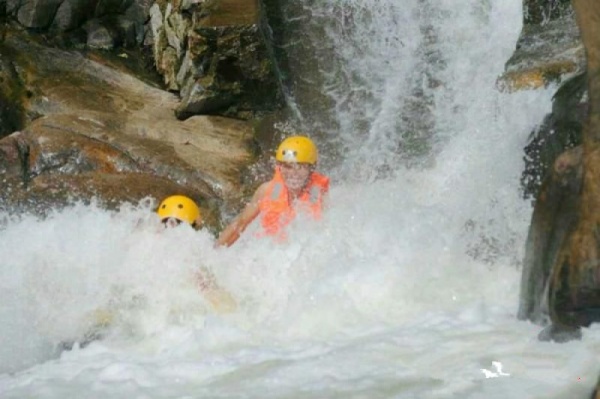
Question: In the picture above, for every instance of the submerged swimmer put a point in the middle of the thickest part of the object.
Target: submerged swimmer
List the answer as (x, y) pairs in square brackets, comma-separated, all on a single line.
[(295, 188), (173, 211), (178, 209)]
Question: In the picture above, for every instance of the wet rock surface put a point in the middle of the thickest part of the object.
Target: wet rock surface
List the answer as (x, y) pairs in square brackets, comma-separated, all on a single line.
[(554, 217), (561, 276), (92, 130), (561, 130), (215, 55), (549, 48)]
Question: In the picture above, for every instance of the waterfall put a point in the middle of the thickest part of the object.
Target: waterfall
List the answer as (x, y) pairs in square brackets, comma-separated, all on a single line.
[(394, 89), (407, 288), (387, 84)]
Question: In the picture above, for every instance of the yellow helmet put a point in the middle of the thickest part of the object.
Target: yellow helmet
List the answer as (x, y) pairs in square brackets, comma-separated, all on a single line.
[(297, 149), (179, 207)]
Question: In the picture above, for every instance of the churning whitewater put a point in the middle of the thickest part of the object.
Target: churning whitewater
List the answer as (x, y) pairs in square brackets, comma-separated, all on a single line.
[(408, 288)]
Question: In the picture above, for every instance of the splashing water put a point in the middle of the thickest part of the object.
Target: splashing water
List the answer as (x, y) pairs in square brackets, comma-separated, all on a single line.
[(408, 288)]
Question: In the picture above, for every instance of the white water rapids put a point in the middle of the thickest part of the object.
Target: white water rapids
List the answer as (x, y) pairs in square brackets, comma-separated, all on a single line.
[(407, 289)]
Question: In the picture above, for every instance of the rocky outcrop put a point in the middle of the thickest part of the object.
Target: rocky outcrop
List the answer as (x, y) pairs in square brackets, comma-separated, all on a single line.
[(574, 291), (549, 47), (560, 130), (12, 96), (92, 130), (554, 217), (549, 50), (562, 266), (95, 23), (216, 55)]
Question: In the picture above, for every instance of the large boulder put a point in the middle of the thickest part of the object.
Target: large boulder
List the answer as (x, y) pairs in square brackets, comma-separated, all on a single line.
[(562, 268), (560, 130), (554, 217), (92, 130), (574, 291)]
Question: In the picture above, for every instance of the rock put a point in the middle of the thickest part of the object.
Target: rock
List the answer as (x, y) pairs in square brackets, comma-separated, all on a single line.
[(61, 20), (560, 131), (12, 96), (574, 288), (561, 274), (71, 14), (216, 56), (539, 12), (37, 14), (14, 158), (559, 334), (93, 126), (111, 7), (547, 51), (555, 215), (109, 190), (99, 36), (596, 393)]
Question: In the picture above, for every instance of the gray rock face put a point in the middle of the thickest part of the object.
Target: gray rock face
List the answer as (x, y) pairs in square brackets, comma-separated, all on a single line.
[(539, 12), (70, 14), (37, 14), (107, 23)]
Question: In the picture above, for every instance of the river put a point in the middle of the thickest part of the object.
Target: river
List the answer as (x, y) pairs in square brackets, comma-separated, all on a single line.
[(408, 287)]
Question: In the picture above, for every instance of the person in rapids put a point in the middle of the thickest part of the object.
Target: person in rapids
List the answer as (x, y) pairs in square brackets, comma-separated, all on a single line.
[(178, 209), (295, 188), (173, 212)]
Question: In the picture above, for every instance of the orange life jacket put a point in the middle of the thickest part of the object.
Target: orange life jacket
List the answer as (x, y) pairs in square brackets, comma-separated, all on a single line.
[(277, 209)]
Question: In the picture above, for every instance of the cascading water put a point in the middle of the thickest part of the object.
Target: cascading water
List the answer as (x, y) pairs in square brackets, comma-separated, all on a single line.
[(409, 286)]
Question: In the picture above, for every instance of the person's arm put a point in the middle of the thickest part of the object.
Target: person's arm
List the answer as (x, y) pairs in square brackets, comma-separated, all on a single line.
[(232, 232)]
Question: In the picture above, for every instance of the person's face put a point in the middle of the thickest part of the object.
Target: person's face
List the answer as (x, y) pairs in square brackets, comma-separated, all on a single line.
[(174, 222), (171, 222), (295, 175)]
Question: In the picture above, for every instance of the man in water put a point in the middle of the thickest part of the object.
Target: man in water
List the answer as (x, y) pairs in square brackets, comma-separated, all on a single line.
[(178, 209), (295, 188), (172, 211)]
